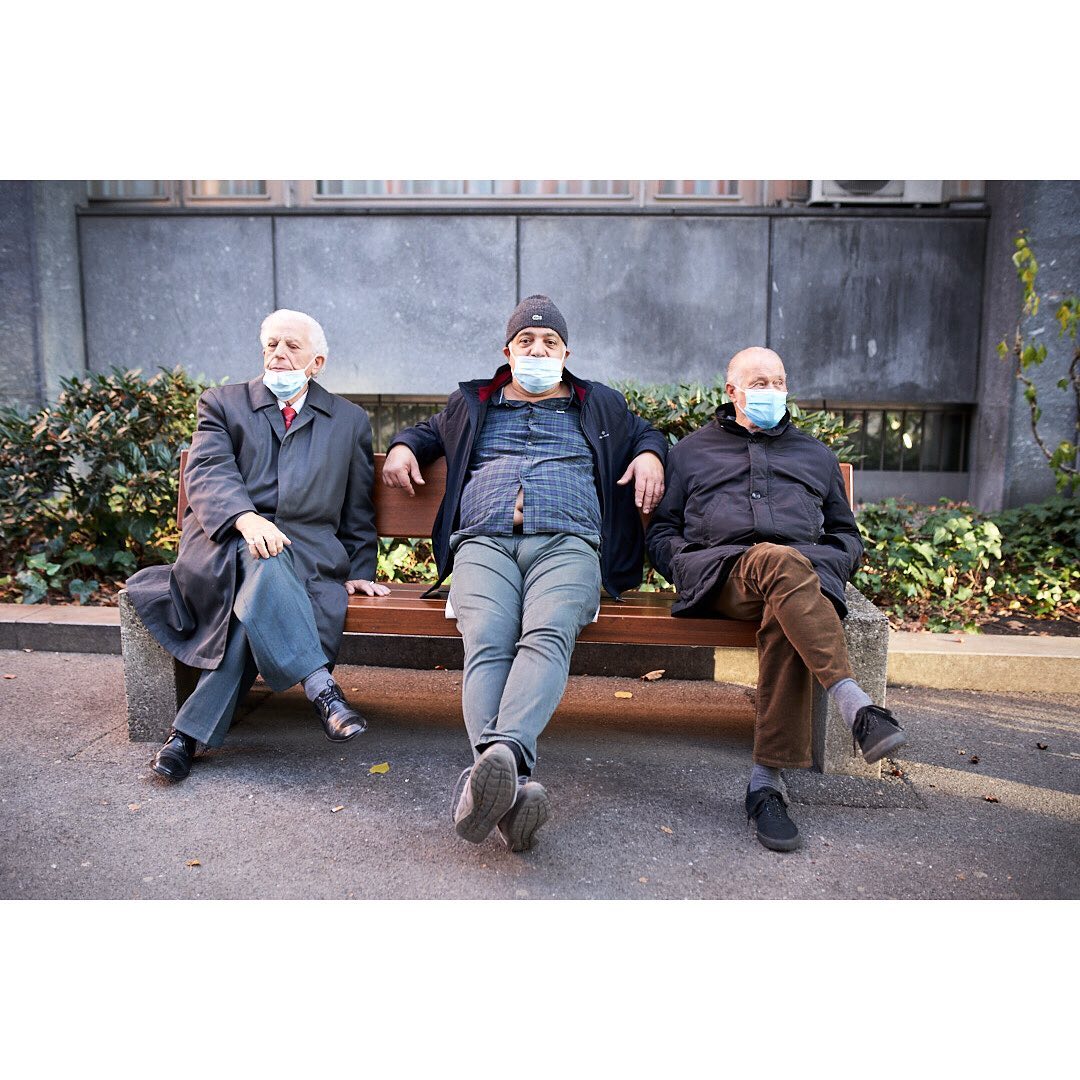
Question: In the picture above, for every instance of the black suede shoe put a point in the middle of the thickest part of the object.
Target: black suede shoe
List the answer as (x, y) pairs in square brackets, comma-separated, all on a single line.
[(339, 719), (173, 760), (876, 732), (765, 807)]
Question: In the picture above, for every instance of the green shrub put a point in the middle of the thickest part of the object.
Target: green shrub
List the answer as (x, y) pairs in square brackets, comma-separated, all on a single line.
[(950, 567), (406, 560), (88, 485), (679, 410)]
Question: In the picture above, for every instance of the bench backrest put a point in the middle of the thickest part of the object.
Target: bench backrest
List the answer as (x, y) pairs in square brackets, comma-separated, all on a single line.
[(396, 514)]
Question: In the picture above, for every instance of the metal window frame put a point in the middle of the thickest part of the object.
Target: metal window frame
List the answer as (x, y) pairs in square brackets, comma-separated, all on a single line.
[(654, 192), (169, 198), (308, 195), (276, 194), (964, 410)]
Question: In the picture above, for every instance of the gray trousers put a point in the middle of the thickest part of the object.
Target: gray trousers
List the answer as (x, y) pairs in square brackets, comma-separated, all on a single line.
[(520, 602), (272, 633)]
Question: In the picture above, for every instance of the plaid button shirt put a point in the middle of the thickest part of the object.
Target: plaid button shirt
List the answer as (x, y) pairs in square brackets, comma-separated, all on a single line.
[(537, 446)]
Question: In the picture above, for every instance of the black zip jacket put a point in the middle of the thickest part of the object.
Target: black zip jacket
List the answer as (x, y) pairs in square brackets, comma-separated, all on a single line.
[(615, 435), (728, 488)]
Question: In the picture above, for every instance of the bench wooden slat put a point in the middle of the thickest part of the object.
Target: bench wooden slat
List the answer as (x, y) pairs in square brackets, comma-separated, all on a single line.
[(642, 619)]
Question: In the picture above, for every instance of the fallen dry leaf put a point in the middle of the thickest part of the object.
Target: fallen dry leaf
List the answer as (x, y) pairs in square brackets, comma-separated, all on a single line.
[(335, 809), (896, 772), (670, 832), (133, 806), (1041, 745), (193, 862), (623, 694), (643, 880), (380, 769), (9, 676), (990, 798), (652, 676), (974, 759)]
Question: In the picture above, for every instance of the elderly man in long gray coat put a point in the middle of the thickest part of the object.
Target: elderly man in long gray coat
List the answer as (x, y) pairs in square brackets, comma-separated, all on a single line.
[(278, 531)]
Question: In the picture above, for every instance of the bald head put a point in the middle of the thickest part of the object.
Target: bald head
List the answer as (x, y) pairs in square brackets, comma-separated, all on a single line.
[(747, 363), (753, 369)]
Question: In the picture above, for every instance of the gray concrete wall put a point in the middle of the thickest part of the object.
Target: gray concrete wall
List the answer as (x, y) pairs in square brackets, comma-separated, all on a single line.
[(863, 308), (878, 309), (655, 299), (410, 304), (869, 307), (40, 301), (163, 291), (20, 354), (59, 286), (1008, 468)]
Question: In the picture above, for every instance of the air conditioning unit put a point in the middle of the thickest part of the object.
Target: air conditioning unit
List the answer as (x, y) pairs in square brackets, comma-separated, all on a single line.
[(881, 192)]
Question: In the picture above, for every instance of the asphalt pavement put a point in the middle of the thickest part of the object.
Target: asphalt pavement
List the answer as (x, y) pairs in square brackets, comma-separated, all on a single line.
[(646, 793)]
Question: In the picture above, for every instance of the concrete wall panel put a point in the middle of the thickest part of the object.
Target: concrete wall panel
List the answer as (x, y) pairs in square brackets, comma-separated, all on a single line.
[(878, 309), (161, 291), (655, 299), (20, 375), (410, 304)]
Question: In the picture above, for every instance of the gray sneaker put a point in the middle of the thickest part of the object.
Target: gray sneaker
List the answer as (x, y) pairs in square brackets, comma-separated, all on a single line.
[(518, 825), (485, 793)]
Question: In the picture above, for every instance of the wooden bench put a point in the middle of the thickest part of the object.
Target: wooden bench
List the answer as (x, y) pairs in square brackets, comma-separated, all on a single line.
[(638, 619)]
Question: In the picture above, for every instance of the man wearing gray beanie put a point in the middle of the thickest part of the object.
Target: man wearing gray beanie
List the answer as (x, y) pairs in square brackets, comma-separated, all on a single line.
[(545, 475)]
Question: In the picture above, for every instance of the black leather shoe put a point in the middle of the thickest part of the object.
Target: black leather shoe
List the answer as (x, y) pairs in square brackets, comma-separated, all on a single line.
[(774, 828), (339, 720), (173, 760)]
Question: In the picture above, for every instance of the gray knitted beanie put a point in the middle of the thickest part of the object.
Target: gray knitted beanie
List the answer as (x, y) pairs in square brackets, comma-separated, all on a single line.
[(536, 310)]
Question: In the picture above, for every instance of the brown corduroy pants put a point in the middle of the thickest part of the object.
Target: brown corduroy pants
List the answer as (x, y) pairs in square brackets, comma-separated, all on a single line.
[(800, 634)]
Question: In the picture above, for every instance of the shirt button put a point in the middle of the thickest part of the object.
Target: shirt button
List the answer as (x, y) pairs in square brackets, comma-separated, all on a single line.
[(755, 494)]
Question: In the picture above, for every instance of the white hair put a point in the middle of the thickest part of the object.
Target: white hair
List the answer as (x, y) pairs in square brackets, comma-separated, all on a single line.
[(315, 331)]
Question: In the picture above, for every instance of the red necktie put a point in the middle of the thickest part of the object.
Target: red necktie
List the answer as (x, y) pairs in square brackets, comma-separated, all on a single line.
[(290, 415)]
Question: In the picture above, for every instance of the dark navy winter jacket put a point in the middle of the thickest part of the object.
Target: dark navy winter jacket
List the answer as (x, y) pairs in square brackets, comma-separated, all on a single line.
[(615, 435)]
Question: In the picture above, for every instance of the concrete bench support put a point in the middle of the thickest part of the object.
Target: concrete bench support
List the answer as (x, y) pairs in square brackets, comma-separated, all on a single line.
[(156, 684), (867, 633)]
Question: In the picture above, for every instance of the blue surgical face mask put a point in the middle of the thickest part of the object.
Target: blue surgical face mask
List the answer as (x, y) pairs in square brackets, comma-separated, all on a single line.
[(537, 374), (765, 408), (284, 384)]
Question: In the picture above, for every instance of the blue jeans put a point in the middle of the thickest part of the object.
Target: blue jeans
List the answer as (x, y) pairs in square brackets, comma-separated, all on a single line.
[(272, 633), (520, 602)]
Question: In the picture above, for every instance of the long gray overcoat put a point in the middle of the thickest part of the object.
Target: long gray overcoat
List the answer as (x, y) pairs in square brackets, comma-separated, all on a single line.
[(314, 482)]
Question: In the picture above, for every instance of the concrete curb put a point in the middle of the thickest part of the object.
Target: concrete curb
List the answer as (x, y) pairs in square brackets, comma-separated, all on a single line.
[(936, 661)]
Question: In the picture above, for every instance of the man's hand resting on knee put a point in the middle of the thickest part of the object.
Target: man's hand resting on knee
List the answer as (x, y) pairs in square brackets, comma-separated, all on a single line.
[(263, 537)]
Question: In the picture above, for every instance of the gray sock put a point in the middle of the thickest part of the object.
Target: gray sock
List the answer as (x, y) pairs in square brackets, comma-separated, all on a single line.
[(850, 698), (762, 776), (317, 682)]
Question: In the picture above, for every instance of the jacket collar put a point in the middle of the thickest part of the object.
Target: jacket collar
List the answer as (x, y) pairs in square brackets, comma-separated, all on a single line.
[(501, 377), (725, 417), (318, 398)]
